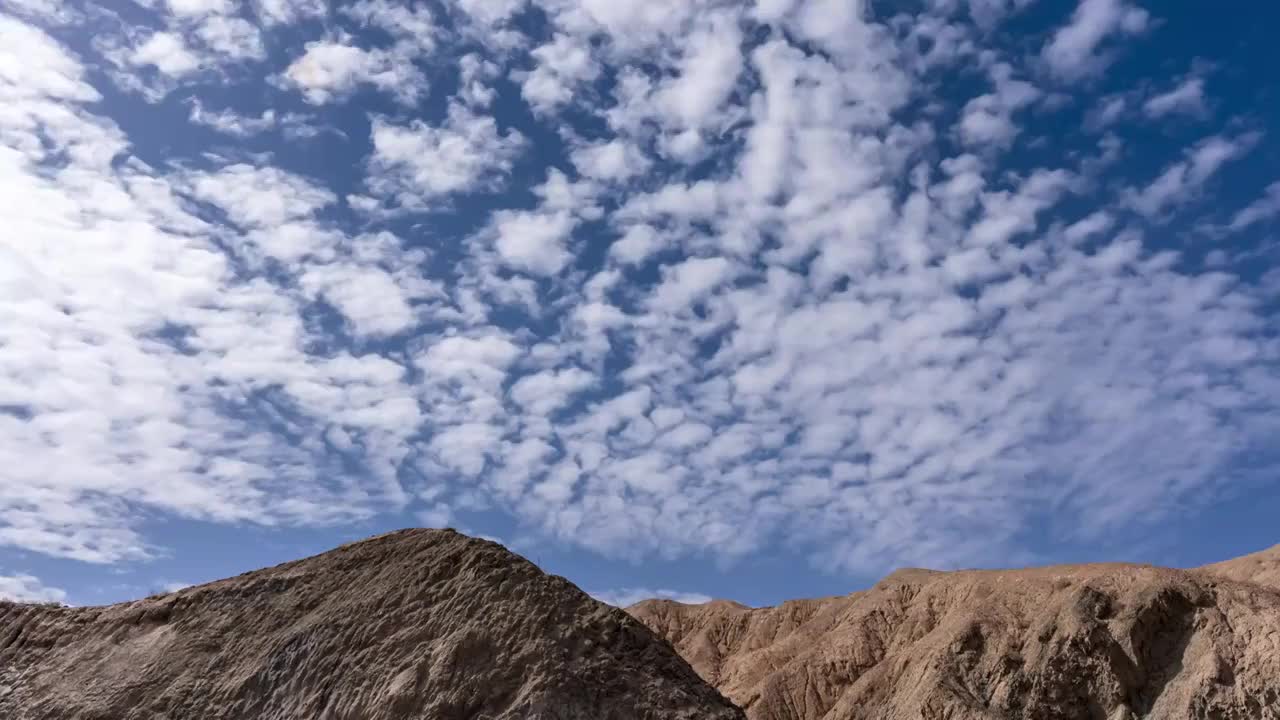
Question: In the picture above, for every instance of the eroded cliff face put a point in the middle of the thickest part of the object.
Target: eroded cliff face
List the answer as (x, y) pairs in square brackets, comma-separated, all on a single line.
[(417, 624), (1086, 642)]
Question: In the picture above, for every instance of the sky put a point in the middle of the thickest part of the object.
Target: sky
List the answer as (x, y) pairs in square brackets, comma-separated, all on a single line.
[(680, 298)]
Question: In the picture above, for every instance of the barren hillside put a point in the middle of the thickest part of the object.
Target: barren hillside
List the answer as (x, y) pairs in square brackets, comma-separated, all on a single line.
[(1084, 642), (415, 624), (1262, 568)]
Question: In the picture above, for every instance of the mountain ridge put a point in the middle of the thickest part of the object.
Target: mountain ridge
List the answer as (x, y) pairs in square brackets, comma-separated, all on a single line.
[(1111, 641), (416, 624)]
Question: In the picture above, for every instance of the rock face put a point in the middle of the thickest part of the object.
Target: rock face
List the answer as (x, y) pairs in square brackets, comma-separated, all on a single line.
[(1084, 642), (417, 624)]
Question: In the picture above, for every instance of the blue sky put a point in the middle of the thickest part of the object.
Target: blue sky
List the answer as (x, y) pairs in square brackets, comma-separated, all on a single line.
[(754, 300)]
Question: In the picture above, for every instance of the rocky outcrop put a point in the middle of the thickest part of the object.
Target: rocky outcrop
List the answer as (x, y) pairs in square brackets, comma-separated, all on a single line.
[(417, 624), (1086, 642)]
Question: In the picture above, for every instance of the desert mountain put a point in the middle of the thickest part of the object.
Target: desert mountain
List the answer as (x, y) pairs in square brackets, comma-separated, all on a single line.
[(417, 624), (1080, 642)]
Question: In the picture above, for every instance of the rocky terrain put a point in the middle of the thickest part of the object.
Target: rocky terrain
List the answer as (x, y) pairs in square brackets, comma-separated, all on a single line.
[(1083, 642), (421, 624), (430, 624)]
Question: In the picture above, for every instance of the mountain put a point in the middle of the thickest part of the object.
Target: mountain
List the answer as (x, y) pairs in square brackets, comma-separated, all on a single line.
[(421, 624), (1072, 642)]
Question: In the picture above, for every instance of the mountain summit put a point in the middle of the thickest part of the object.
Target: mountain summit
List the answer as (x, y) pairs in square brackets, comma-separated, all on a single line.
[(416, 624)]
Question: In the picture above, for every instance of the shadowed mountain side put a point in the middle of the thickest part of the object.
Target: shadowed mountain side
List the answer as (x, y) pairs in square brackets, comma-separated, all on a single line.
[(420, 624), (1073, 642)]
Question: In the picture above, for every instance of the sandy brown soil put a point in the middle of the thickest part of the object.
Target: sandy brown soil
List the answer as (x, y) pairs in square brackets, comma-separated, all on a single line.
[(418, 624), (1084, 642), (1262, 568)]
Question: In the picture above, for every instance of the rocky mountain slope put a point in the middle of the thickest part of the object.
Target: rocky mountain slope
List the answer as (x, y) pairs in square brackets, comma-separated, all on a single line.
[(1084, 642), (428, 625)]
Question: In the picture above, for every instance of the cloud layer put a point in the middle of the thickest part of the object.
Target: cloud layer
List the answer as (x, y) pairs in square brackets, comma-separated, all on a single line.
[(25, 588), (761, 279), (625, 597)]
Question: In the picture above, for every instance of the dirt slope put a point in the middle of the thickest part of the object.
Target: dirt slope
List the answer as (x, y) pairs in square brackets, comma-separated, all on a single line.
[(1261, 568), (1085, 642), (417, 624)]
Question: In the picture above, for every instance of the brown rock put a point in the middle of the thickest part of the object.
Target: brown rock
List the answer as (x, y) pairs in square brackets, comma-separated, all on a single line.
[(1082, 642), (419, 624)]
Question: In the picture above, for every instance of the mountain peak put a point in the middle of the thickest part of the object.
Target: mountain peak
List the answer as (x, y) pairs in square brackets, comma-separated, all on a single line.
[(410, 624)]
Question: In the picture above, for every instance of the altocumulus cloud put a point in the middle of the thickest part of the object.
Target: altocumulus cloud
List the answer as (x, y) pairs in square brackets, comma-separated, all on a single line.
[(760, 278), (26, 588), (630, 596)]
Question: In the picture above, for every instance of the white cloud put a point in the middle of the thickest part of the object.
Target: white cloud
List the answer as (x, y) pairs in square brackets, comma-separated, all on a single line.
[(417, 164), (689, 281), (29, 589), (533, 241), (630, 26), (626, 597), (275, 12), (1073, 52), (482, 359), (465, 376), (707, 74), (838, 331), (543, 393), (949, 361), (260, 196), (562, 65), (771, 11), (377, 284), (1187, 99), (491, 12), (134, 348), (1181, 180), (988, 13), (438, 516), (330, 70), (168, 53), (686, 436), (59, 75), (230, 122), (988, 119), (197, 8), (1264, 208), (613, 160), (474, 77), (369, 297), (636, 244), (198, 43), (466, 448), (1094, 224), (414, 25), (233, 37), (53, 12), (1107, 112)]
